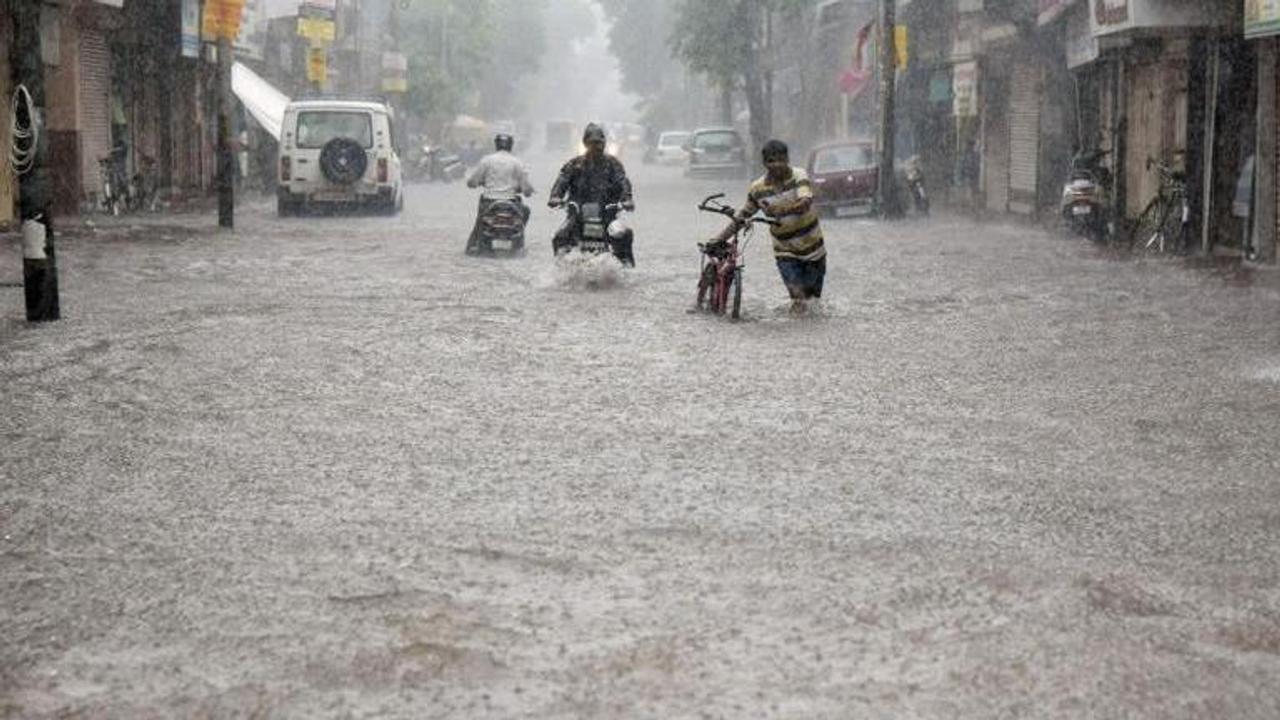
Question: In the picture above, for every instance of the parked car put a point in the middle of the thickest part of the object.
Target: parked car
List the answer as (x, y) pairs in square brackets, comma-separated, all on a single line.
[(845, 176), (669, 149), (716, 152), (339, 152)]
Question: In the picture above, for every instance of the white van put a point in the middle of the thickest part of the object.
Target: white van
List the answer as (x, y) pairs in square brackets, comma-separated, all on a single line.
[(341, 152)]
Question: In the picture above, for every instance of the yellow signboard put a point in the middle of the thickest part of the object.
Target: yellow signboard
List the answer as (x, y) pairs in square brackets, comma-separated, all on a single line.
[(317, 65), (395, 84), (1261, 18), (222, 19), (317, 30), (900, 45)]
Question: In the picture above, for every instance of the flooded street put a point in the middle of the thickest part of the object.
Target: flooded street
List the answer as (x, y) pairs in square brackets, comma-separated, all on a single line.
[(332, 467)]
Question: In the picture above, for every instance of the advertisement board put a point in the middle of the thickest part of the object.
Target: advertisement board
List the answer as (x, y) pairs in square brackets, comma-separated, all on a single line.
[(1261, 18)]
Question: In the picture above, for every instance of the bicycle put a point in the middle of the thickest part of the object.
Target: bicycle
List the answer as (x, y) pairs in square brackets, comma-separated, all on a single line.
[(720, 279), (1163, 223)]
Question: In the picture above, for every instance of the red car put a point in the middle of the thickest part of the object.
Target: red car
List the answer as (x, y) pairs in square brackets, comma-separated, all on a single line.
[(845, 176)]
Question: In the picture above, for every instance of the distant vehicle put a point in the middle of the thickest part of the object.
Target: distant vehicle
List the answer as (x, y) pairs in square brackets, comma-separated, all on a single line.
[(339, 153), (670, 148), (562, 136), (845, 176), (716, 152)]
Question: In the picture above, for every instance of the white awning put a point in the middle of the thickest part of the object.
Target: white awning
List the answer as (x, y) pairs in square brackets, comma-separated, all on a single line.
[(265, 103)]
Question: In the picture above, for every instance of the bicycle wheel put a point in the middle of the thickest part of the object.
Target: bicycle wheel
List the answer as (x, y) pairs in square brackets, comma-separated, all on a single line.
[(1147, 231), (737, 293)]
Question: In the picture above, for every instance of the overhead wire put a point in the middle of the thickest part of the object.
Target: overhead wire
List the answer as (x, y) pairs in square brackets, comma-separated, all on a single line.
[(23, 140)]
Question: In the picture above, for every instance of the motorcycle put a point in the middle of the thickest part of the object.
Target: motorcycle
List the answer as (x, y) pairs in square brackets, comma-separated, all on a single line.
[(501, 228), (115, 183), (593, 234), (915, 184), (1084, 207), (435, 164)]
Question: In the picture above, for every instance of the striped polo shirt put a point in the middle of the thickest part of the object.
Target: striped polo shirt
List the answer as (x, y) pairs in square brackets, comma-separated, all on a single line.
[(797, 236)]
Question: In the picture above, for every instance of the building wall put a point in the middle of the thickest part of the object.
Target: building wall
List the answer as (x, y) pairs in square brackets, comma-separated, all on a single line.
[(8, 190)]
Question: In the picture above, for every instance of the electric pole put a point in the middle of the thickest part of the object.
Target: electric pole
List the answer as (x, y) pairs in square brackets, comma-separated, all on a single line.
[(29, 157), (226, 158), (887, 195)]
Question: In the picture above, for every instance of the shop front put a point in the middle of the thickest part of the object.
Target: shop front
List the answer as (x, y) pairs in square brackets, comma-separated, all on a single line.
[(1262, 30)]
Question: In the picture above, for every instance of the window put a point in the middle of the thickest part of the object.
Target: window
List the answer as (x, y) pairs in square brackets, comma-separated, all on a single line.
[(717, 141), (317, 128), (673, 139), (844, 159)]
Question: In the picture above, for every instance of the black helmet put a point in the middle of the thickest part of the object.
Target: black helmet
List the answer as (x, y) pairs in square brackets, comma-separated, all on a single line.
[(503, 141), (593, 133)]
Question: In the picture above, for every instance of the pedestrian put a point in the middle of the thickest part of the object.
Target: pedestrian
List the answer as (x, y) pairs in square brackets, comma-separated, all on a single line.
[(785, 195)]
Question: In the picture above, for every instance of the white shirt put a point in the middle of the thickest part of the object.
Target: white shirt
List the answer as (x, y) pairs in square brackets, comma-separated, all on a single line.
[(502, 175)]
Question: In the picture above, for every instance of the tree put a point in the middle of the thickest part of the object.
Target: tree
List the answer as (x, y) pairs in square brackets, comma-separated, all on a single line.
[(728, 41)]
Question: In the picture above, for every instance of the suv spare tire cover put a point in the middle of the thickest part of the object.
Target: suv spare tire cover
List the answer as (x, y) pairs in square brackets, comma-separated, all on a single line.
[(343, 161)]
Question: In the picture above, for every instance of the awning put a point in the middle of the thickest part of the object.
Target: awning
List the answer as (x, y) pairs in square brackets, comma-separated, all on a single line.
[(265, 103)]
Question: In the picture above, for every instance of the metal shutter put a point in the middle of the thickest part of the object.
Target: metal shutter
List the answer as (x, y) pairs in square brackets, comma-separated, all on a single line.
[(1024, 136), (995, 161), (95, 106)]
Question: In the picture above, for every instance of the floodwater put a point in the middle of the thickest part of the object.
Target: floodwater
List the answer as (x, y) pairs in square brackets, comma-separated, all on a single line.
[(331, 467)]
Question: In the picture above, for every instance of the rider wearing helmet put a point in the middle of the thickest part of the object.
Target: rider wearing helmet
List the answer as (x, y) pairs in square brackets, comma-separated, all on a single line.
[(504, 178), (594, 177)]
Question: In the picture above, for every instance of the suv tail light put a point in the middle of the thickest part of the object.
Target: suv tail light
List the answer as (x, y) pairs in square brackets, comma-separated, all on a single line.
[(382, 170), (286, 168)]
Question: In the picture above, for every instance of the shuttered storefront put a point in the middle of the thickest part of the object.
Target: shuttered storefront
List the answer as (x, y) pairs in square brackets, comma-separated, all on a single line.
[(95, 104), (1024, 136), (995, 144)]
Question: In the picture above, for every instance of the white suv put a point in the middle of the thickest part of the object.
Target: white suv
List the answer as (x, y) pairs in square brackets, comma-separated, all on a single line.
[(341, 152)]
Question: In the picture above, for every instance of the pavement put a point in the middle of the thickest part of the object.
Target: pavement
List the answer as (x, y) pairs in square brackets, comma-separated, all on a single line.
[(331, 467)]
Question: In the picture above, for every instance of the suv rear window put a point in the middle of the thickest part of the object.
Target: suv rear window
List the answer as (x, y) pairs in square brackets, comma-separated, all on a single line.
[(844, 159), (716, 141), (319, 127)]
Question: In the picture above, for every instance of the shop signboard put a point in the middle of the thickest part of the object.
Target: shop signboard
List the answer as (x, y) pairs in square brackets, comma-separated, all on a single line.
[(1050, 10), (1261, 18), (1110, 17), (1082, 46), (395, 70), (964, 85), (222, 19), (191, 28)]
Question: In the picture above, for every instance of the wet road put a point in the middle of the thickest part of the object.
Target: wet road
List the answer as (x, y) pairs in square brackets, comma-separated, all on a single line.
[(330, 467)]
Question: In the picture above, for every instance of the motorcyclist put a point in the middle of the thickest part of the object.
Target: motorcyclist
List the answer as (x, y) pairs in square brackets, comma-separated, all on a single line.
[(594, 177), (504, 177)]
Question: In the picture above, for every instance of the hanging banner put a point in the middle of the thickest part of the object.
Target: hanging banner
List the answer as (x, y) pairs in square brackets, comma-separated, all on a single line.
[(1082, 45), (964, 88), (191, 28), (1261, 18)]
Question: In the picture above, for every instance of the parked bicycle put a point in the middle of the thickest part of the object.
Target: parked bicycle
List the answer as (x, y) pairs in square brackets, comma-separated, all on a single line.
[(1162, 226), (720, 280)]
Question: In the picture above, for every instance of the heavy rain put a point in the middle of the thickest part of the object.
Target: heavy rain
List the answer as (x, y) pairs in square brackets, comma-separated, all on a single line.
[(639, 359)]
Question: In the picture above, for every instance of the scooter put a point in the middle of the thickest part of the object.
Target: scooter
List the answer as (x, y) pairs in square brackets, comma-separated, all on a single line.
[(1084, 207), (501, 228), (915, 184), (435, 164)]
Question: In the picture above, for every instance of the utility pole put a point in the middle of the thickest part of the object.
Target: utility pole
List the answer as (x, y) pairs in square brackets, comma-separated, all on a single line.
[(887, 195), (35, 186), (226, 158)]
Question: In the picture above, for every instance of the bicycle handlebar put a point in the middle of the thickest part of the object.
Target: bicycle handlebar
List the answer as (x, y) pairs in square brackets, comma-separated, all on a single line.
[(722, 209)]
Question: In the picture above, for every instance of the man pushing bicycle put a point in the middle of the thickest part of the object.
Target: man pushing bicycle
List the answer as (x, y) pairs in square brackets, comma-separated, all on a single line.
[(785, 195)]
